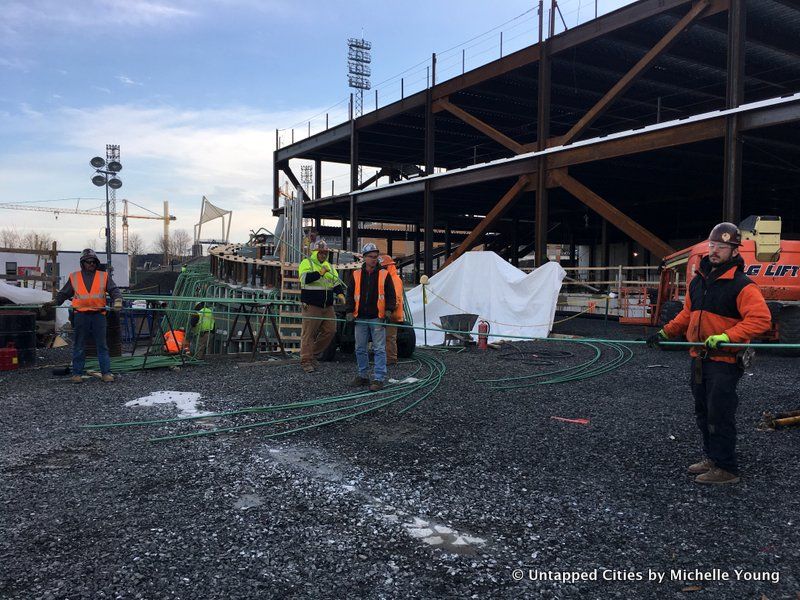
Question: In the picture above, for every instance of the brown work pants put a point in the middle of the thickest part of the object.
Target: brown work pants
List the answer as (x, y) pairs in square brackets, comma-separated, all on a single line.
[(391, 345), (316, 333)]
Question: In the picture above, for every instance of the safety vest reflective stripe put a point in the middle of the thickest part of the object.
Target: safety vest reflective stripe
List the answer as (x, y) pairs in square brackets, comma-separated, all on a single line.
[(382, 274), (93, 300)]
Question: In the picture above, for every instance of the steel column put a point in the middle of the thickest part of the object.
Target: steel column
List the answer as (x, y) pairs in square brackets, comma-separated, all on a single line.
[(416, 252), (428, 210), (542, 133), (317, 179), (732, 178), (353, 186)]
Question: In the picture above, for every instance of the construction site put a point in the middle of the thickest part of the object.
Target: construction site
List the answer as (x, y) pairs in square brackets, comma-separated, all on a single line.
[(546, 274)]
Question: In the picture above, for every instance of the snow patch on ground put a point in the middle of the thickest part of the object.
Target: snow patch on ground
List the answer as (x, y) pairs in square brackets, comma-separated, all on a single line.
[(185, 402)]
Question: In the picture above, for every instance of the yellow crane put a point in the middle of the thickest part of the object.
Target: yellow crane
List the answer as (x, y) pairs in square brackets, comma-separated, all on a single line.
[(166, 217)]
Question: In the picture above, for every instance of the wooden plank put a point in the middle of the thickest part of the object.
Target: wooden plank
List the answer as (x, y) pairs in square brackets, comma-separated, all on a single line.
[(627, 80), (497, 211), (613, 215), (481, 126)]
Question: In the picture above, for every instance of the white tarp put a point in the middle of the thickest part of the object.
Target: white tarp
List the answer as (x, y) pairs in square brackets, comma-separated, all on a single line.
[(514, 303), (19, 295)]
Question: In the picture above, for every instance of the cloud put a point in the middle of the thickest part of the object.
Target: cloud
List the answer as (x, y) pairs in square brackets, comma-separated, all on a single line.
[(16, 63), (124, 79), (19, 16), (167, 154)]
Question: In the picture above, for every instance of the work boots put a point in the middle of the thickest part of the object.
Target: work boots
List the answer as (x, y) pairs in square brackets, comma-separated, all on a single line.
[(717, 476), (359, 381), (703, 466), (308, 367), (376, 386), (76, 379), (108, 377)]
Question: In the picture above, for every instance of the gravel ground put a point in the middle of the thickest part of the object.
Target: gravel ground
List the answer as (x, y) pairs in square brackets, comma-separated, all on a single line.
[(447, 500)]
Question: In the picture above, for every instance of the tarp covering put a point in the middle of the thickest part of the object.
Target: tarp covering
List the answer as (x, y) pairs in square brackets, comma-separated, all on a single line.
[(19, 295), (514, 303)]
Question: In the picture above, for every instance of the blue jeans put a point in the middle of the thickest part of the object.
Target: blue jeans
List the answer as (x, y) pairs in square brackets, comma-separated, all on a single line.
[(86, 324), (366, 329)]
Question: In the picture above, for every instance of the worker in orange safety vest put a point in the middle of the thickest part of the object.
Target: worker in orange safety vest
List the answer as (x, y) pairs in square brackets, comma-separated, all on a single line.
[(397, 315), (88, 289)]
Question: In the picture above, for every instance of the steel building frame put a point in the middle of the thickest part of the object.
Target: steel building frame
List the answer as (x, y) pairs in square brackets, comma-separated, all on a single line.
[(655, 118)]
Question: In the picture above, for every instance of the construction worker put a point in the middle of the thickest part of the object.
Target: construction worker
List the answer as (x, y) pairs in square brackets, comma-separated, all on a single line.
[(722, 306), (175, 341), (202, 324), (320, 287), (88, 289), (370, 303), (397, 316)]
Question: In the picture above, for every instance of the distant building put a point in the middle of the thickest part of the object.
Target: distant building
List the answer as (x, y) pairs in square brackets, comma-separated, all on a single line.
[(17, 264)]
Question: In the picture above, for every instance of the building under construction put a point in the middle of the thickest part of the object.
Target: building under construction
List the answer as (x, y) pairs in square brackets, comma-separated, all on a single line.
[(641, 129)]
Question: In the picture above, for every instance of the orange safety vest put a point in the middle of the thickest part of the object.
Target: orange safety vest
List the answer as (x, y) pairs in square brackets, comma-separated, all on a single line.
[(173, 341), (93, 300), (387, 262), (382, 274)]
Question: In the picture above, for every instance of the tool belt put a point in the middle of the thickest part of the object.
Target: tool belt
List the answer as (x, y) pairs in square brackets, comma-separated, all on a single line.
[(744, 360)]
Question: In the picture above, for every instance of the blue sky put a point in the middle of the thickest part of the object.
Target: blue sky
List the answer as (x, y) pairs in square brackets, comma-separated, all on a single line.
[(193, 92)]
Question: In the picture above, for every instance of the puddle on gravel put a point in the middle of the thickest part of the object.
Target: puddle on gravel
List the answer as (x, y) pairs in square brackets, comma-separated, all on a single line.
[(185, 402), (427, 531)]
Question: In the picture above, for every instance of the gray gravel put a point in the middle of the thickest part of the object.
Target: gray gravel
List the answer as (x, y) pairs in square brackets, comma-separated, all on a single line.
[(446, 500)]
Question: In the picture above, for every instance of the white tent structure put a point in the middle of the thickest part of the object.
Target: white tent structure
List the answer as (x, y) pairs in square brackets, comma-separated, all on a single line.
[(209, 212), (513, 302)]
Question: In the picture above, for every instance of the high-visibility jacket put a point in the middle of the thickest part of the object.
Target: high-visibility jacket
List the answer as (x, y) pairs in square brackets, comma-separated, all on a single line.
[(382, 275), (93, 300), (173, 341), (205, 320), (387, 262), (318, 290), (722, 300)]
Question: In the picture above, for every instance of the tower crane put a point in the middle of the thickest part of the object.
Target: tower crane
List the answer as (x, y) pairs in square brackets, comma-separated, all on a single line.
[(166, 217)]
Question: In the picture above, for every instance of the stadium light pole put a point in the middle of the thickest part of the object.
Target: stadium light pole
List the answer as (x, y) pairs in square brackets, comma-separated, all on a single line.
[(107, 177)]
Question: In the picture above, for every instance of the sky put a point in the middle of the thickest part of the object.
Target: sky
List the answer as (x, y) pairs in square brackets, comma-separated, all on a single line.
[(193, 92)]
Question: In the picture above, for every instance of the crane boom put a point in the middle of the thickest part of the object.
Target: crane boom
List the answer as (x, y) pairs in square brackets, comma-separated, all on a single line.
[(80, 211)]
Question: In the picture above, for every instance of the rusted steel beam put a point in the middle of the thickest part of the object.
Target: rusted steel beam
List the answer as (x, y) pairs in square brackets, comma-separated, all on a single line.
[(484, 128), (295, 182), (373, 179), (633, 13), (501, 207), (610, 213), (640, 67), (491, 70), (645, 142)]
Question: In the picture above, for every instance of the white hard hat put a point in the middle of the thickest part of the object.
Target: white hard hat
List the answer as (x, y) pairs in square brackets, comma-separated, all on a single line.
[(369, 247)]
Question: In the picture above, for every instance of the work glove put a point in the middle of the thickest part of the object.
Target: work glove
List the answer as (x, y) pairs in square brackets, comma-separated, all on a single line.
[(349, 317), (387, 319), (655, 340), (118, 304), (713, 341), (323, 271), (340, 298)]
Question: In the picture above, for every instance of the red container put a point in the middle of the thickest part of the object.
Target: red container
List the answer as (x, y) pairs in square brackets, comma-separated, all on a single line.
[(9, 358)]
